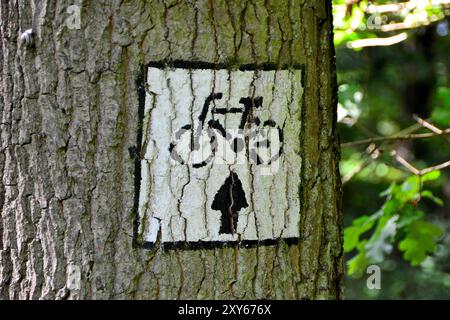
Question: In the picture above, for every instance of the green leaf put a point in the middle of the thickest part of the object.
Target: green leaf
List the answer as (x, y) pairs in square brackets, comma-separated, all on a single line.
[(433, 175), (352, 233), (391, 206), (380, 242), (389, 191), (441, 112), (358, 264), (351, 238), (409, 189), (339, 36), (420, 241), (411, 185), (357, 17), (428, 194), (408, 215)]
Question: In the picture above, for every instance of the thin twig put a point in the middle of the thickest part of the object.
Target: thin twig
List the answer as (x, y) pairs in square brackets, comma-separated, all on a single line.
[(427, 124), (406, 26), (411, 129), (396, 138), (430, 126), (405, 134), (405, 163), (373, 152), (397, 7), (377, 42), (416, 171), (437, 167)]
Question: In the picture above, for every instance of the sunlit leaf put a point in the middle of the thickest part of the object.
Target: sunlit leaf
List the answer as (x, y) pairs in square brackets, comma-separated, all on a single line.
[(409, 189), (428, 194), (419, 241), (433, 175), (389, 190), (408, 215), (358, 264), (352, 233), (391, 206), (380, 242), (441, 111)]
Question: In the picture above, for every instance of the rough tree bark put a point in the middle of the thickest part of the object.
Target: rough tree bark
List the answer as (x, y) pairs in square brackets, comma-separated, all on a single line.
[(69, 118)]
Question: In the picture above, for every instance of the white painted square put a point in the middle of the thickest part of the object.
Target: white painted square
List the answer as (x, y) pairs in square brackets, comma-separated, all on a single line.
[(176, 199)]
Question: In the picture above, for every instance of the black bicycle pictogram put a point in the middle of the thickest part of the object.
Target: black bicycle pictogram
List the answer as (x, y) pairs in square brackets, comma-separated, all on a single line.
[(197, 146)]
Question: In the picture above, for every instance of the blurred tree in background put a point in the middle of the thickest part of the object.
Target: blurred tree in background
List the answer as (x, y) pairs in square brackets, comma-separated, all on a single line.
[(394, 113)]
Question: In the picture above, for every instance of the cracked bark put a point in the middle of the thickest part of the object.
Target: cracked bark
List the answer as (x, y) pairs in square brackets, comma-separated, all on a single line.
[(69, 116)]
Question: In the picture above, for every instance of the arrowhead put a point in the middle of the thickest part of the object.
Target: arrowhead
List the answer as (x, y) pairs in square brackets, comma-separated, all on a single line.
[(229, 200)]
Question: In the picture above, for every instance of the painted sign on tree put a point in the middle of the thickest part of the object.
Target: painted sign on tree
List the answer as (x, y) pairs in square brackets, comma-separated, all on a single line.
[(219, 147)]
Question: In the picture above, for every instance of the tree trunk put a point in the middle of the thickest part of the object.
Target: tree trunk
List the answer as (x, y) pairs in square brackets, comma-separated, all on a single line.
[(71, 145)]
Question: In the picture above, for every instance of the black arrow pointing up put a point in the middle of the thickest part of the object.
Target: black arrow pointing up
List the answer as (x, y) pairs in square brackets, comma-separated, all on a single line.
[(229, 200)]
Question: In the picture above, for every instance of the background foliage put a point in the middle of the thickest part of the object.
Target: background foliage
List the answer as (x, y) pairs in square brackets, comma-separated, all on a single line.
[(393, 72)]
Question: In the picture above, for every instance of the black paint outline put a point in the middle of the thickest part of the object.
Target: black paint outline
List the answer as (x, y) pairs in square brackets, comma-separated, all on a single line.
[(231, 66), (209, 245), (140, 83), (135, 152)]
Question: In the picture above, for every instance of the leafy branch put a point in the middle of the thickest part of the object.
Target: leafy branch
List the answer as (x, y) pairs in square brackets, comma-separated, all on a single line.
[(396, 138), (361, 23), (399, 221)]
